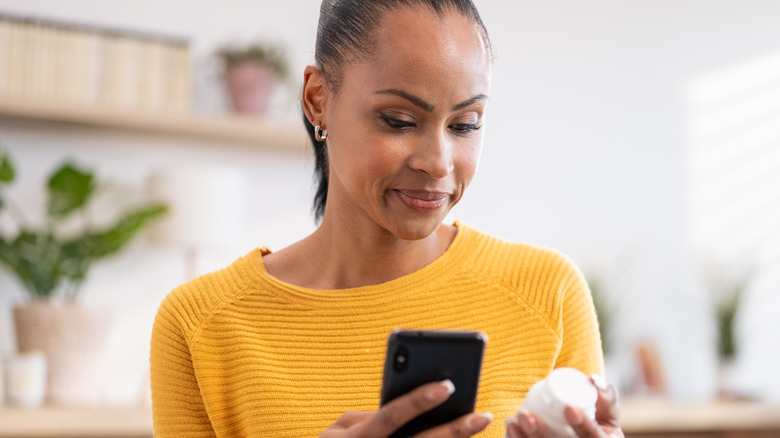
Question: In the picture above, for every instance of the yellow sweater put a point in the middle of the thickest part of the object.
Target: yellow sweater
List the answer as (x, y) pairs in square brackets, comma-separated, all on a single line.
[(239, 353)]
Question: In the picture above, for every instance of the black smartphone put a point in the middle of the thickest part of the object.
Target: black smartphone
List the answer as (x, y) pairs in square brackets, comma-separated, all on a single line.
[(416, 357)]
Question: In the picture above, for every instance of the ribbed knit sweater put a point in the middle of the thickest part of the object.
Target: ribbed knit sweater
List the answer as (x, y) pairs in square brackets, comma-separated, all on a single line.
[(239, 353)]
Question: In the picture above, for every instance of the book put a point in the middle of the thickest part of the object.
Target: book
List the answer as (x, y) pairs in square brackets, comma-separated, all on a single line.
[(87, 65)]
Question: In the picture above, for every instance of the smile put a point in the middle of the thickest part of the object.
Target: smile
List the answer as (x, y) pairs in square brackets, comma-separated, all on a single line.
[(421, 199)]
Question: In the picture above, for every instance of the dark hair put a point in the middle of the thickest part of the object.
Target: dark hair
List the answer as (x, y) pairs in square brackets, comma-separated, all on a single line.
[(343, 36)]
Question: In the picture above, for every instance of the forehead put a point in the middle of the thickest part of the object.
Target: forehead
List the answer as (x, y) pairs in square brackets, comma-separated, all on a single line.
[(418, 50), (423, 24)]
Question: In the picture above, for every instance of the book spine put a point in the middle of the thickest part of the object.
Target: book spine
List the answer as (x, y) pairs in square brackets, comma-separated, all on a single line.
[(181, 79), (109, 77), (5, 54), (17, 65)]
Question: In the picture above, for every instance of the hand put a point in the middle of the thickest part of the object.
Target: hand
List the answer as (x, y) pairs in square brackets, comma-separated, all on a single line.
[(393, 415), (607, 424)]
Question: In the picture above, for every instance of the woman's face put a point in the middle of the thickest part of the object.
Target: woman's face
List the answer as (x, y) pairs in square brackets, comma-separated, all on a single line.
[(405, 128)]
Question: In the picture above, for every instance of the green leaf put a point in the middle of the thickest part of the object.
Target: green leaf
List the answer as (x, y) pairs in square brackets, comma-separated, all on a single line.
[(69, 189), (113, 239), (79, 253), (728, 295), (274, 56), (605, 311), (7, 172), (75, 259), (34, 258), (42, 262)]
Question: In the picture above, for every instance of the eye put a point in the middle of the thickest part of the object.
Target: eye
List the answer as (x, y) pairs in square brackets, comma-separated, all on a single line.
[(395, 122), (464, 128)]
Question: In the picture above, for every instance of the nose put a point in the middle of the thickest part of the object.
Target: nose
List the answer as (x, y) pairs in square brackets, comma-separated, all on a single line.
[(433, 155)]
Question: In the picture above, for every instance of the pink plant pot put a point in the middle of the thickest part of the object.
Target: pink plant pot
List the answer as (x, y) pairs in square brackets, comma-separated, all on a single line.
[(249, 85)]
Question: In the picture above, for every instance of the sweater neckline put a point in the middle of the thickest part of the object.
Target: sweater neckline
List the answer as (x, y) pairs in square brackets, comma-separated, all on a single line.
[(384, 293)]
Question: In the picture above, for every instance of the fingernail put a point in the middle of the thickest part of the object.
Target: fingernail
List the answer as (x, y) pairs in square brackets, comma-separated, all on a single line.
[(479, 421), (442, 391), (599, 382), (573, 416)]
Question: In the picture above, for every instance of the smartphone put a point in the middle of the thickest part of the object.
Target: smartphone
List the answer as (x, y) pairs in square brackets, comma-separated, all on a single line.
[(416, 357)]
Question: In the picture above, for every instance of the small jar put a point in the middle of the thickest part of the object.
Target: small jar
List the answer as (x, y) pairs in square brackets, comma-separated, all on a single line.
[(25, 379), (563, 387)]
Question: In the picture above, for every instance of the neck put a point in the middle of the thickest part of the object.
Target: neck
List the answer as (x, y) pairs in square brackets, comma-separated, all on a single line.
[(356, 259), (340, 257)]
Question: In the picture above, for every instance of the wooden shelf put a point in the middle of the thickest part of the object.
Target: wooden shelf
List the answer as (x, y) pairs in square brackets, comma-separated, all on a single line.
[(640, 418), (229, 129), (51, 421), (671, 418)]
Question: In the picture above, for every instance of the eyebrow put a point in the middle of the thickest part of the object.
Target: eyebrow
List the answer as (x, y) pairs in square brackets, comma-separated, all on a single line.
[(410, 97), (425, 105), (464, 104)]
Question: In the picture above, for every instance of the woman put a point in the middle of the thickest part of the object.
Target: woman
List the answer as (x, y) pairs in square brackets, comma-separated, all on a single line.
[(291, 343)]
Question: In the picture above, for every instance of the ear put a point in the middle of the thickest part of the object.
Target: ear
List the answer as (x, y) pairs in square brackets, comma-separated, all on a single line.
[(315, 92)]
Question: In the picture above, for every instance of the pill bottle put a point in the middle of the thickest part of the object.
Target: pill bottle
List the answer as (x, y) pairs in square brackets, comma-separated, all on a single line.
[(562, 387)]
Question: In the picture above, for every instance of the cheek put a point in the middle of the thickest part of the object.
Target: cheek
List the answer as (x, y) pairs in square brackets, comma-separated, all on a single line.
[(384, 157), (368, 161), (467, 163)]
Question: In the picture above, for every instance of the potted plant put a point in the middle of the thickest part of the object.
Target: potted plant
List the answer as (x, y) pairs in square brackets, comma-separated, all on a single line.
[(51, 263), (728, 294), (608, 288), (250, 74), (606, 306), (605, 311)]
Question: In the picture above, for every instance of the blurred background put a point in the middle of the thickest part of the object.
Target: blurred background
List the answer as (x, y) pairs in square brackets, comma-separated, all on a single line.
[(641, 138)]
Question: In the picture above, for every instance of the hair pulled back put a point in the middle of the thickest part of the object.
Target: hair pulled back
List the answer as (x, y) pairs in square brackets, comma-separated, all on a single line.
[(344, 35)]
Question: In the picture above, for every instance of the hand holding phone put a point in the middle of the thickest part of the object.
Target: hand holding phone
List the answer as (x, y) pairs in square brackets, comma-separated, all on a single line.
[(416, 357), (391, 416)]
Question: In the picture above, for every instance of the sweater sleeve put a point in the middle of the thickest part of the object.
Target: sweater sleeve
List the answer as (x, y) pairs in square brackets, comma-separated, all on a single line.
[(177, 405), (581, 342)]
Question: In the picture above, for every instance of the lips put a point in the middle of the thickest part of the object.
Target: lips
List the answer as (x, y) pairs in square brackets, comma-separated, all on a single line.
[(422, 199)]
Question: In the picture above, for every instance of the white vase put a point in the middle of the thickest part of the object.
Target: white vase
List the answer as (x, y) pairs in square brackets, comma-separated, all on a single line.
[(726, 387)]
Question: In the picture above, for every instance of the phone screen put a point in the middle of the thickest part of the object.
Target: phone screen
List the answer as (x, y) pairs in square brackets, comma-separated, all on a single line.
[(417, 357)]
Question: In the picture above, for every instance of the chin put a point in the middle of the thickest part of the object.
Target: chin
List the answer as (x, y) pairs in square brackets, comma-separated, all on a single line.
[(414, 229)]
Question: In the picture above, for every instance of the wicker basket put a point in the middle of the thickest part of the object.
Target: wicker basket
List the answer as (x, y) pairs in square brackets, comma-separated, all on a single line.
[(72, 337)]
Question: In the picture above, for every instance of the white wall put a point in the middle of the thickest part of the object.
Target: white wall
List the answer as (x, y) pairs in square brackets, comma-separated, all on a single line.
[(588, 150), (591, 118)]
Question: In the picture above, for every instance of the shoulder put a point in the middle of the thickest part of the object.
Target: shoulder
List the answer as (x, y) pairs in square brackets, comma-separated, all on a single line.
[(512, 262), (193, 302), (541, 277)]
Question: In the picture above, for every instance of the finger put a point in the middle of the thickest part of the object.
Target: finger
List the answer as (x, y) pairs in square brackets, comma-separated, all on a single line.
[(464, 426), (530, 424), (401, 410), (513, 429), (582, 425), (351, 418), (607, 406)]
